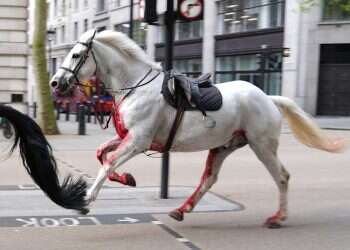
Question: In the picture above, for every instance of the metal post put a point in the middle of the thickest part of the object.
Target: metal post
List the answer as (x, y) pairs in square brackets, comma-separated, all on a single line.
[(82, 125), (67, 110), (58, 110), (34, 109), (169, 44), (77, 105), (131, 21)]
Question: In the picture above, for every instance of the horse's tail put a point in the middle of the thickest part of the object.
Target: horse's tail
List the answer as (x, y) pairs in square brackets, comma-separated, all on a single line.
[(305, 129), (37, 157)]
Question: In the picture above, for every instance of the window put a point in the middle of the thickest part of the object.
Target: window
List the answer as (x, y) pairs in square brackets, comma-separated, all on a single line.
[(55, 8), (115, 4), (248, 15), (183, 31), (188, 30), (101, 5), (63, 7), (190, 67), (139, 31), (86, 4), (336, 10), (16, 97), (76, 5), (86, 25), (76, 31), (63, 34), (263, 70)]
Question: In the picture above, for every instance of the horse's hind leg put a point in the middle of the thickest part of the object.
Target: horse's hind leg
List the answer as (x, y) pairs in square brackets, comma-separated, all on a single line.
[(213, 165), (266, 151), (101, 153)]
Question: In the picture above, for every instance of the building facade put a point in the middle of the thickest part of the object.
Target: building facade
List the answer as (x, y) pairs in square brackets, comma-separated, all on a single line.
[(271, 43), (13, 52), (317, 73)]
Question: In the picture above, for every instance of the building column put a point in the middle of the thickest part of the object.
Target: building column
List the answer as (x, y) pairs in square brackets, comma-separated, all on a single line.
[(209, 31), (291, 67)]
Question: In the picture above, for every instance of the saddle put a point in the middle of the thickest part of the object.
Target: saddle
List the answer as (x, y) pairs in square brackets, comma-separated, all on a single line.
[(189, 94), (194, 93)]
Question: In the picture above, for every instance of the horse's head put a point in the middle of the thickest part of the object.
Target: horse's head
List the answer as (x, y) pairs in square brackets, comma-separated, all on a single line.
[(79, 64)]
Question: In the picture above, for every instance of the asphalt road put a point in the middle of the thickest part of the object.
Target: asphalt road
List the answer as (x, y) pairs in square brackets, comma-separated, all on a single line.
[(319, 203)]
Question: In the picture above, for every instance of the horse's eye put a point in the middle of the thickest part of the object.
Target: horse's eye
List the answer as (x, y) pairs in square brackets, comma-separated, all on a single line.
[(76, 56)]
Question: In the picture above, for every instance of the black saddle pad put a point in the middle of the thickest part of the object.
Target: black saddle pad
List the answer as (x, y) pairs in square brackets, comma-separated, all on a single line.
[(211, 98)]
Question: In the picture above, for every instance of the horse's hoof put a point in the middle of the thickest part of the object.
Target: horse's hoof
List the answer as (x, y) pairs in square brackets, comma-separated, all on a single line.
[(177, 215), (273, 225), (84, 211), (130, 180)]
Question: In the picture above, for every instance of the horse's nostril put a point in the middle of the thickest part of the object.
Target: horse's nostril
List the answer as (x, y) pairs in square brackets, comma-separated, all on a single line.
[(54, 84)]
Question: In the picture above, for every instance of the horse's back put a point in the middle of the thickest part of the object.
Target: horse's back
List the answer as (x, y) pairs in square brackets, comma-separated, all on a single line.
[(258, 114)]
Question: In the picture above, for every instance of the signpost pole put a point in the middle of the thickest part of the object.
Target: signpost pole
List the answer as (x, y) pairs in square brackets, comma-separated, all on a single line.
[(169, 44)]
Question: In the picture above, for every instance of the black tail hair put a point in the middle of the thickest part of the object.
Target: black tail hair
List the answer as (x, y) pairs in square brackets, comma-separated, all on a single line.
[(37, 157)]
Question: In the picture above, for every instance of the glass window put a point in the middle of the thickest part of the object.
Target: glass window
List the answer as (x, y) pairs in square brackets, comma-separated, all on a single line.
[(263, 70), (86, 25), (101, 5), (115, 4), (139, 31), (248, 15), (63, 7), (76, 5), (63, 34), (188, 30), (336, 10), (76, 31), (55, 8), (190, 67)]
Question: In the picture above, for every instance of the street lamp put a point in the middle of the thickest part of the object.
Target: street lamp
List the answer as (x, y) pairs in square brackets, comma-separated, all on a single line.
[(51, 33)]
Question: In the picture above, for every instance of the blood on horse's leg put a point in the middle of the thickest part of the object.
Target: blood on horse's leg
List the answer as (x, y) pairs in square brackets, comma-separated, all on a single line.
[(209, 177), (102, 151)]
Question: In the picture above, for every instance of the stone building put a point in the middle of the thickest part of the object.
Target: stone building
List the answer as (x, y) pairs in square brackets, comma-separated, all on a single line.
[(13, 52)]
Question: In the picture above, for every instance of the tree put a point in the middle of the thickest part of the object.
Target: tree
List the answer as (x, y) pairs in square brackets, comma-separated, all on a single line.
[(47, 119), (344, 5)]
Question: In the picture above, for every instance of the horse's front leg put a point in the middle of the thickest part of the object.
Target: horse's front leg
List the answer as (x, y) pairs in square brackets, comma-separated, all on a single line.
[(103, 151), (126, 149)]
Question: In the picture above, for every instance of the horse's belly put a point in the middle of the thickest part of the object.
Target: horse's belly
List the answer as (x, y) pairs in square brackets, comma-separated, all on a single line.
[(194, 135)]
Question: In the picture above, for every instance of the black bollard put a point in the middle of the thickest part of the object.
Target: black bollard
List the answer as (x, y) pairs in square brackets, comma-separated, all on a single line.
[(58, 110), (67, 111), (34, 109), (81, 115), (89, 112), (77, 112)]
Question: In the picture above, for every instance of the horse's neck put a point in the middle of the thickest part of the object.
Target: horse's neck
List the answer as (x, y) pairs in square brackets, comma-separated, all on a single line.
[(116, 70)]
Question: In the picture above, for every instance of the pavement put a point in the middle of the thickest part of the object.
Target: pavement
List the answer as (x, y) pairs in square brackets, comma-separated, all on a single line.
[(230, 217)]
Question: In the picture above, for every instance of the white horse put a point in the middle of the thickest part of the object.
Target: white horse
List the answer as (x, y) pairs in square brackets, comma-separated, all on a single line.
[(143, 118)]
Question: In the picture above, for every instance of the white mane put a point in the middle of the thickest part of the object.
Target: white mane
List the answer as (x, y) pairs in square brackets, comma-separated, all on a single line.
[(127, 46)]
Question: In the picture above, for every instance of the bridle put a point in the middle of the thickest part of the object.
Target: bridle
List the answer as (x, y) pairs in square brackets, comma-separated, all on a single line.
[(82, 61)]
